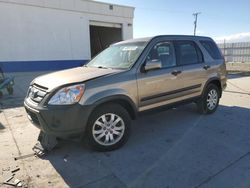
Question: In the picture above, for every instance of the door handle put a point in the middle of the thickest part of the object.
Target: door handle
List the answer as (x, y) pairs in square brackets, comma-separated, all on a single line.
[(176, 72), (206, 67)]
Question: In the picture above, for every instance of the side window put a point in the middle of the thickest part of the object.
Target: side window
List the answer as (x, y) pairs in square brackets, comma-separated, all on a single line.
[(188, 53), (212, 49), (163, 52)]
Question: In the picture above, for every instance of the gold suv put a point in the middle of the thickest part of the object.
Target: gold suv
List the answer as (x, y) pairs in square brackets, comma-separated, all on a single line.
[(100, 98)]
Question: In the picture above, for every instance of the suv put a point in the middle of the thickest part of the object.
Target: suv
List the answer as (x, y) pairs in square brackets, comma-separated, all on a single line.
[(129, 77)]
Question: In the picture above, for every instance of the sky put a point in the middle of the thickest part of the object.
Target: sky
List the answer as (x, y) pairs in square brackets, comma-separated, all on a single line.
[(219, 19)]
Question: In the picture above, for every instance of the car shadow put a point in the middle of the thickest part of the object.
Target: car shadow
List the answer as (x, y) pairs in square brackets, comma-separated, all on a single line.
[(152, 137)]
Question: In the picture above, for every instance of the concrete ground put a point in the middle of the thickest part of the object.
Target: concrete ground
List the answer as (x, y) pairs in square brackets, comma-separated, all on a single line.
[(174, 148)]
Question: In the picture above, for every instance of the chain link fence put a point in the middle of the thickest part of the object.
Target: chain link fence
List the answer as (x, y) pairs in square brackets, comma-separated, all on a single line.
[(236, 52)]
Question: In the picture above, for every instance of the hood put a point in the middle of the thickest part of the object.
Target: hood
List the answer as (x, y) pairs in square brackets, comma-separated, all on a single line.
[(80, 74)]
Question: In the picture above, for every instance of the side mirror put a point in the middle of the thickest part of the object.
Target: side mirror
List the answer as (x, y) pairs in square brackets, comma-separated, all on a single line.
[(152, 64)]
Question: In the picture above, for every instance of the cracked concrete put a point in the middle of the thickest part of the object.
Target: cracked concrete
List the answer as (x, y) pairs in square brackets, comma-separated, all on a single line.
[(174, 148)]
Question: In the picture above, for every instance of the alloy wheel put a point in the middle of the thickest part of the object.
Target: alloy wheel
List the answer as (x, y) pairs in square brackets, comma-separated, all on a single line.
[(108, 129), (212, 99)]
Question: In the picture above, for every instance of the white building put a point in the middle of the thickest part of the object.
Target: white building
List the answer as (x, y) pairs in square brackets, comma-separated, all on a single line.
[(40, 35)]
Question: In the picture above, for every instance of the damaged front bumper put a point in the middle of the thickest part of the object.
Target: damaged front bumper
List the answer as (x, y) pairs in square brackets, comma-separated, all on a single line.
[(61, 121)]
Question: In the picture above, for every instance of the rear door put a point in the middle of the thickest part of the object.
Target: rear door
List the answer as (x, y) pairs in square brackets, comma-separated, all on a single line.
[(194, 71)]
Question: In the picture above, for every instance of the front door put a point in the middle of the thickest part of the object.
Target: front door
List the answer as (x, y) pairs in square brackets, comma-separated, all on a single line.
[(157, 87)]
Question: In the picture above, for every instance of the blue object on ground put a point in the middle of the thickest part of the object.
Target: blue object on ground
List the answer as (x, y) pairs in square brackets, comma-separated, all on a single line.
[(6, 83)]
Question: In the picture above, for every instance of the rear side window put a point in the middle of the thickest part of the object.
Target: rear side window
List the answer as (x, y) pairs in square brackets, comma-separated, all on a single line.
[(211, 48), (188, 53)]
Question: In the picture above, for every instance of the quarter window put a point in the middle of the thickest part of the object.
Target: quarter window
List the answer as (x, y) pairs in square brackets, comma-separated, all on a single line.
[(163, 52), (212, 49)]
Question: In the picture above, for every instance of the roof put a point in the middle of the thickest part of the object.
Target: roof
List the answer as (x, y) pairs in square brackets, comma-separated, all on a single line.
[(146, 39), (171, 37), (83, 6), (105, 3)]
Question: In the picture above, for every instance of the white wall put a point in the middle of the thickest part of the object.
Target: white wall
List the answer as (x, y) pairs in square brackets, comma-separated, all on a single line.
[(47, 31)]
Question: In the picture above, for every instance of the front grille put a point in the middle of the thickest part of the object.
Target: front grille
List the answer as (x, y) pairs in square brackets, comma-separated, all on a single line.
[(36, 93), (33, 117)]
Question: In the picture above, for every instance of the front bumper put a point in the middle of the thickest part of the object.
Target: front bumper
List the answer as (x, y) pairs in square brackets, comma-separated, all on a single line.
[(59, 120)]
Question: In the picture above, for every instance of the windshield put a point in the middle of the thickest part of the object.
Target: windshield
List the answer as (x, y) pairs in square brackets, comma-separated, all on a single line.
[(119, 56)]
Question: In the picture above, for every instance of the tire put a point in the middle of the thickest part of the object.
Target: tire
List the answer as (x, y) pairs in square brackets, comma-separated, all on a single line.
[(108, 127), (209, 100)]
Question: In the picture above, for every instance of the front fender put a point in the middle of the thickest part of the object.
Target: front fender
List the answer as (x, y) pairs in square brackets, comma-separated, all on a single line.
[(113, 95), (106, 95)]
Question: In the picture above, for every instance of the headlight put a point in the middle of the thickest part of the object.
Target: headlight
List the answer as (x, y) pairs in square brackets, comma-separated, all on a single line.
[(68, 95)]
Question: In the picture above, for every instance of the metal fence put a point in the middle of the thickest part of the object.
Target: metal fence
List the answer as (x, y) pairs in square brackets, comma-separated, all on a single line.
[(236, 52)]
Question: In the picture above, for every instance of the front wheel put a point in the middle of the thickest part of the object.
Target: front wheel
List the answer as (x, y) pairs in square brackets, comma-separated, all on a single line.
[(210, 100), (108, 128)]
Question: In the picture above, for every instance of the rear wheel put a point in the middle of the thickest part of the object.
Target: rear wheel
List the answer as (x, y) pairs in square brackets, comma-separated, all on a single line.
[(108, 128), (210, 100)]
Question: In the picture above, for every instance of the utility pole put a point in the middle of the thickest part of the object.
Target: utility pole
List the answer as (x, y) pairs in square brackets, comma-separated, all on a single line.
[(195, 21)]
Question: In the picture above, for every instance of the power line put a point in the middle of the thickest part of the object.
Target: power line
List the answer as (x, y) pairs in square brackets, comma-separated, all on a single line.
[(169, 11), (195, 21)]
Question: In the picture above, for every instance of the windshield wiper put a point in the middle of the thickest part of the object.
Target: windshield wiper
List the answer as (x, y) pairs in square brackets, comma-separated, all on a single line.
[(101, 67)]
